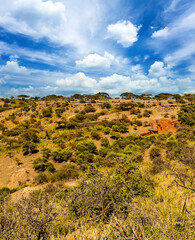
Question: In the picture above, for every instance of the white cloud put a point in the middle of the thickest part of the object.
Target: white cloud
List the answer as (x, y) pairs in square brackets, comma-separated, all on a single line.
[(136, 68), (64, 22), (78, 82), (114, 81), (124, 32), (36, 18), (179, 33), (191, 69), (97, 61), (161, 33), (2, 81), (158, 79), (116, 84), (173, 6), (157, 69), (31, 55), (184, 53), (12, 67)]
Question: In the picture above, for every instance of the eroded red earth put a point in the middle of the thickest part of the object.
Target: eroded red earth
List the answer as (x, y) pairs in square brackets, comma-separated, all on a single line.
[(162, 126)]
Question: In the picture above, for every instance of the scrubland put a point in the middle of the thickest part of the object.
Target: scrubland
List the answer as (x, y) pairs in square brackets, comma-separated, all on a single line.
[(93, 167)]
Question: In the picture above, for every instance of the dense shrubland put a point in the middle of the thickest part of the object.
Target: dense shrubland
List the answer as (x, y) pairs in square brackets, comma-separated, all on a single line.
[(124, 185)]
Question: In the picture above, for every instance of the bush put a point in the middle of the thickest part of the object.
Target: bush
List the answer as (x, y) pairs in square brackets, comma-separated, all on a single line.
[(147, 113), (69, 171), (95, 135), (89, 108), (41, 178), (135, 111), (105, 142), (59, 112), (130, 149), (103, 151), (186, 115), (4, 192), (29, 148), (157, 165), (62, 155), (88, 146), (80, 117), (115, 135), (106, 130), (50, 167), (46, 152), (109, 195), (84, 157), (30, 135), (138, 123), (106, 105), (155, 153), (40, 164), (46, 112)]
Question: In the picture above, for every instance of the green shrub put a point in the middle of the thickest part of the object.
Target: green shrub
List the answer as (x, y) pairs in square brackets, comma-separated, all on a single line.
[(88, 146), (95, 136), (30, 135), (41, 178), (62, 155), (69, 171), (186, 115), (47, 112), (147, 113), (115, 135), (103, 151), (157, 165), (109, 195), (4, 192), (80, 117), (106, 105), (46, 152), (106, 130), (40, 164), (89, 108), (105, 142), (59, 112), (50, 167), (155, 152), (130, 149), (29, 148), (84, 157)]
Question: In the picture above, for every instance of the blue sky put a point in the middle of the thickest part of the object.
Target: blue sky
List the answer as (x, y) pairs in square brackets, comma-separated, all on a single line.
[(87, 46)]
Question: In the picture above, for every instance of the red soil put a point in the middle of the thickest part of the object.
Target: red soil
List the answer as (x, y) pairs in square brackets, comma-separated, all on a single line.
[(162, 126)]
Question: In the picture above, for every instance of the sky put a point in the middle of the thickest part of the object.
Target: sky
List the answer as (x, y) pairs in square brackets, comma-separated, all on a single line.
[(64, 47)]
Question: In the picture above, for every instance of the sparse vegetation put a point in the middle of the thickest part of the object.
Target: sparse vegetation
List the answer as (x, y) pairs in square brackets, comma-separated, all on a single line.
[(98, 168)]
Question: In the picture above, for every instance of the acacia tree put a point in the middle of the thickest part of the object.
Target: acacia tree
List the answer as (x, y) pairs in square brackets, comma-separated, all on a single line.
[(23, 96)]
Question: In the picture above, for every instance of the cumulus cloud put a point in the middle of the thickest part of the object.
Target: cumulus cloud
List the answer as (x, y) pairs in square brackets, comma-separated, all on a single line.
[(161, 33), (158, 78), (157, 69), (79, 82), (124, 32), (12, 67), (97, 61), (114, 81)]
